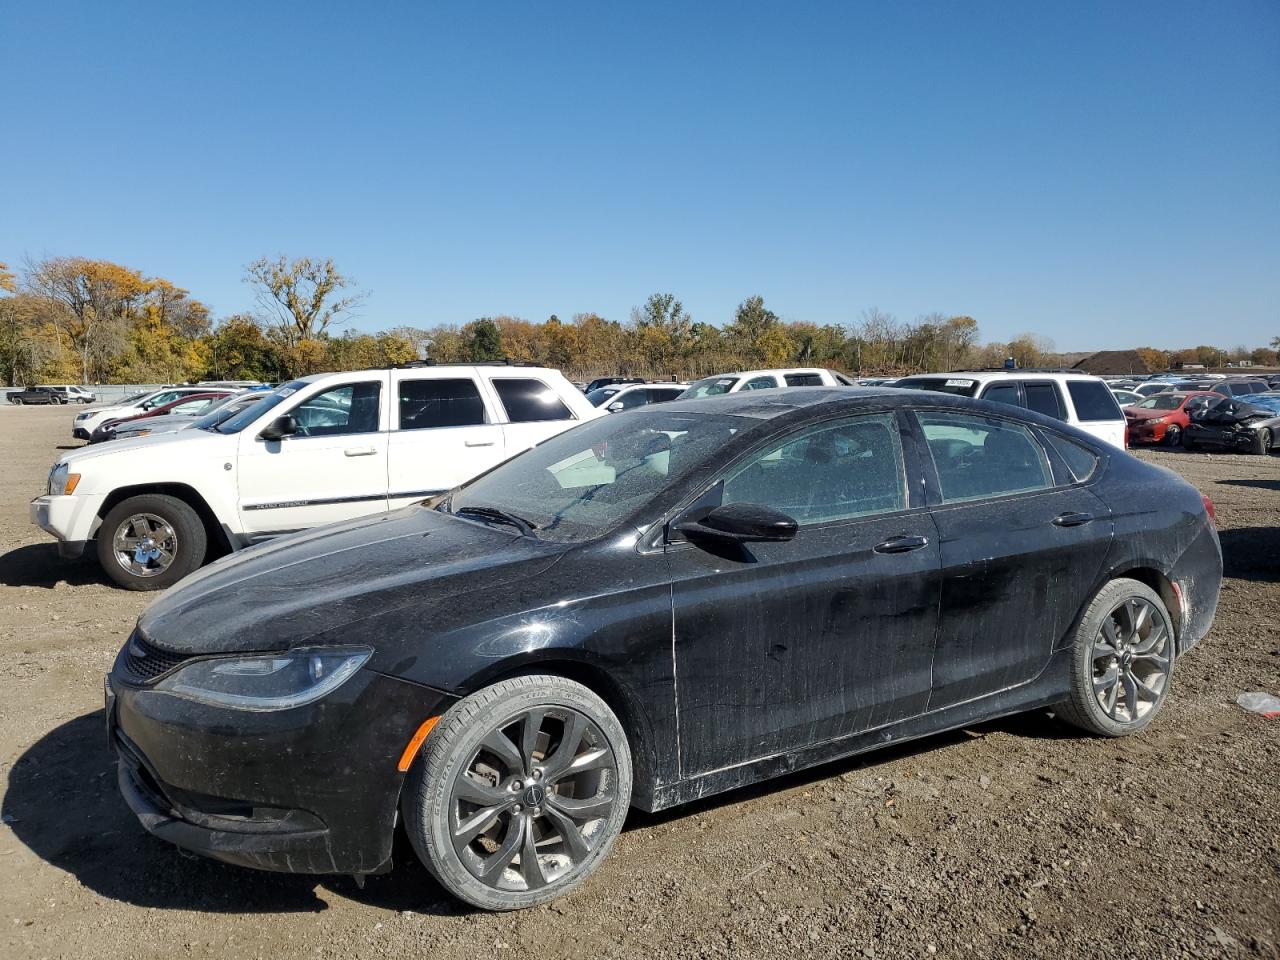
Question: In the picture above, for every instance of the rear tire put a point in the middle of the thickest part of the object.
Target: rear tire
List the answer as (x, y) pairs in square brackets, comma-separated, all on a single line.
[(497, 813), (1122, 661), (151, 541), (16, 401)]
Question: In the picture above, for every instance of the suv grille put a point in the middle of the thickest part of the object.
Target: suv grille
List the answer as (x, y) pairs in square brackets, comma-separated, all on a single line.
[(145, 662)]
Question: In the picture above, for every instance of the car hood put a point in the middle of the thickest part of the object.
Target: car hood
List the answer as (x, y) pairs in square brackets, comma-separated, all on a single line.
[(287, 592), (175, 421), (1148, 414), (179, 442)]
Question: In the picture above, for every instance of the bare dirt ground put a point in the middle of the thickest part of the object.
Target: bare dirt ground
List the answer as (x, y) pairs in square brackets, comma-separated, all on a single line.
[(1012, 838)]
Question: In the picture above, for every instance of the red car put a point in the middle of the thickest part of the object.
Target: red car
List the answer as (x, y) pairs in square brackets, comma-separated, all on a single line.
[(1162, 418), (189, 403)]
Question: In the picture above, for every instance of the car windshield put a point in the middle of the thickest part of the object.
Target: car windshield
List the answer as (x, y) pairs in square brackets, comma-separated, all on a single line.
[(129, 401), (238, 421), (601, 394), (585, 482), (1161, 401), (960, 386), (709, 387)]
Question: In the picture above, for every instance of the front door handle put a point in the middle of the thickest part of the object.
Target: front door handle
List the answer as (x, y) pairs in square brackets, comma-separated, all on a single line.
[(359, 451), (901, 544), (478, 443), (1072, 519)]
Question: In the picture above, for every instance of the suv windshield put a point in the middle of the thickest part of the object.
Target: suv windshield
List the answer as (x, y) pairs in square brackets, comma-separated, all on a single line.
[(585, 482), (709, 387), (239, 421), (960, 386), (601, 394)]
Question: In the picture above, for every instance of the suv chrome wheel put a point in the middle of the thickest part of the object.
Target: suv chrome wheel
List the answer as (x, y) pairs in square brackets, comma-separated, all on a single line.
[(145, 545)]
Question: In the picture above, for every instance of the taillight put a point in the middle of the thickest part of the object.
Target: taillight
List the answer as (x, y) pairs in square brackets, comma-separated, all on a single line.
[(1208, 508)]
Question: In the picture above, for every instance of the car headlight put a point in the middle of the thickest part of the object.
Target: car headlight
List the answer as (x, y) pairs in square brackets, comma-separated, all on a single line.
[(62, 482), (84, 416), (1161, 420), (272, 681)]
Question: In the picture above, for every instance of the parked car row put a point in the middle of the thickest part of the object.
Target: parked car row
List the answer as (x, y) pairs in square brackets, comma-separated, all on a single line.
[(817, 572), (60, 393)]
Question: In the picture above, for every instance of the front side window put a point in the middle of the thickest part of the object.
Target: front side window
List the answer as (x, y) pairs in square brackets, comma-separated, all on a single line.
[(1093, 401), (632, 399), (759, 383), (1003, 393), (529, 401), (350, 408), (583, 483), (835, 471), (440, 403), (977, 457)]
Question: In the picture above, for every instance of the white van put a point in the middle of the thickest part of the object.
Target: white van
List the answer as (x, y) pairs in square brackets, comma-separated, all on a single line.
[(1079, 399)]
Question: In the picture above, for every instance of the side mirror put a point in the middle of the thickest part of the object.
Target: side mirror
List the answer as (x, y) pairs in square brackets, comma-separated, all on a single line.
[(740, 523), (279, 428), (615, 407)]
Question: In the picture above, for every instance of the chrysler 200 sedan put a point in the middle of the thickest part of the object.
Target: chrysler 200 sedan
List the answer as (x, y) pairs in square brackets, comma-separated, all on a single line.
[(648, 609)]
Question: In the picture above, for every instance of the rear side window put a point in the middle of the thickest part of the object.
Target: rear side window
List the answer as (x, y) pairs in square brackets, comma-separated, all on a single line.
[(1080, 460), (977, 457), (1093, 401), (1003, 393), (1043, 398), (440, 403), (632, 399), (529, 401), (662, 396), (802, 379)]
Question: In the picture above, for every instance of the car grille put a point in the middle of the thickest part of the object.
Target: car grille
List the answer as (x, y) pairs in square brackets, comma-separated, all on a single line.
[(144, 662)]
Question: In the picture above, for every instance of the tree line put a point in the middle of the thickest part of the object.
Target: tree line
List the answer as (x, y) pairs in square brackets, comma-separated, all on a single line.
[(74, 319)]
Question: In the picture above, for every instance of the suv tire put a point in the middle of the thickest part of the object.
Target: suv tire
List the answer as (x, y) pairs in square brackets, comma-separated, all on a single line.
[(165, 534)]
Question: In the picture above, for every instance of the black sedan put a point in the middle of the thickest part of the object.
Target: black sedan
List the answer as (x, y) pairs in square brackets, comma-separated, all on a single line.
[(651, 608)]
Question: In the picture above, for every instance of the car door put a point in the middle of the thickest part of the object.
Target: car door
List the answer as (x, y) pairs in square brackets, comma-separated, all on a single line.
[(333, 468), (444, 432), (532, 411), (781, 645), (1019, 539)]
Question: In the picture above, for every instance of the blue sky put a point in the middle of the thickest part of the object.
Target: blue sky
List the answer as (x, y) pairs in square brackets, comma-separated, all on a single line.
[(1105, 174)]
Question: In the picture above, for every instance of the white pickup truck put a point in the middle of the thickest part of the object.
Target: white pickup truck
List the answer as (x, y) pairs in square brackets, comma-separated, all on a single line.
[(315, 450)]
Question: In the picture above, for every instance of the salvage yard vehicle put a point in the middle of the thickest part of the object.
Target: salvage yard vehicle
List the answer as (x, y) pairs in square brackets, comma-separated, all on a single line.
[(627, 396), (222, 410), (765, 380), (191, 404), (646, 610), (46, 395), (1249, 424), (1163, 418), (73, 393), (1079, 399), (322, 448), (89, 420)]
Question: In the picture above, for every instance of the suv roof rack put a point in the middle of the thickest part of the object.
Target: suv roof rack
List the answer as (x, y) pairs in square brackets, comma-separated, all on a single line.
[(507, 362)]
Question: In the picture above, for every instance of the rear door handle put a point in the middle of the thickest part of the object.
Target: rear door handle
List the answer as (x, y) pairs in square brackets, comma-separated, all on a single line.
[(359, 451), (478, 443), (900, 544), (1073, 519)]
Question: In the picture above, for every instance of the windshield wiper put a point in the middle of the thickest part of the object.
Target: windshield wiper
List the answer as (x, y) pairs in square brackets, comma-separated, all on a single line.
[(525, 527)]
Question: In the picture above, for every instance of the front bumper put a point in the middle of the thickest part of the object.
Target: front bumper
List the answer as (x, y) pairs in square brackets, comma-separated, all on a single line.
[(71, 519), (80, 433), (309, 790), (1140, 432), (1230, 437)]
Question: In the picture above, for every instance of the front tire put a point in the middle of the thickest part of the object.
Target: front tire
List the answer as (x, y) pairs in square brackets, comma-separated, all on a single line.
[(1262, 441), (519, 793), (1122, 663), (151, 541), (1173, 436)]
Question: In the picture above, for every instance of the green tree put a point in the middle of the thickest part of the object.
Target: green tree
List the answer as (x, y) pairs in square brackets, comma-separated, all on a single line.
[(484, 340)]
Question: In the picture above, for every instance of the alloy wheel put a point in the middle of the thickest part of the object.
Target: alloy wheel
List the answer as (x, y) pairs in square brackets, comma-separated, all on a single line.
[(1131, 660), (529, 806), (145, 545)]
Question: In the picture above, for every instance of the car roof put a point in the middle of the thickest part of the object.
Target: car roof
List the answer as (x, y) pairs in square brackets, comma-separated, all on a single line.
[(767, 370), (985, 375), (433, 369), (777, 401)]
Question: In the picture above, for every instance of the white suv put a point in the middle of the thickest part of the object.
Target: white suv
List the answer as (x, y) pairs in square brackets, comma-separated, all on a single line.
[(316, 450), (1079, 399), (765, 380)]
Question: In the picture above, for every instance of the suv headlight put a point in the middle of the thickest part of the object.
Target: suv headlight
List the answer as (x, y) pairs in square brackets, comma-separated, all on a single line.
[(62, 482), (272, 681)]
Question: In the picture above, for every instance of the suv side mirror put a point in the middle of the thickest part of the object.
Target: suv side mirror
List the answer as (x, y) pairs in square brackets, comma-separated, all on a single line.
[(740, 523), (279, 428), (615, 407)]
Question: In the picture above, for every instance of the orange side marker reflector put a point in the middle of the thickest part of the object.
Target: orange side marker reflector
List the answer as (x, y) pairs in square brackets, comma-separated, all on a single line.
[(412, 747)]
